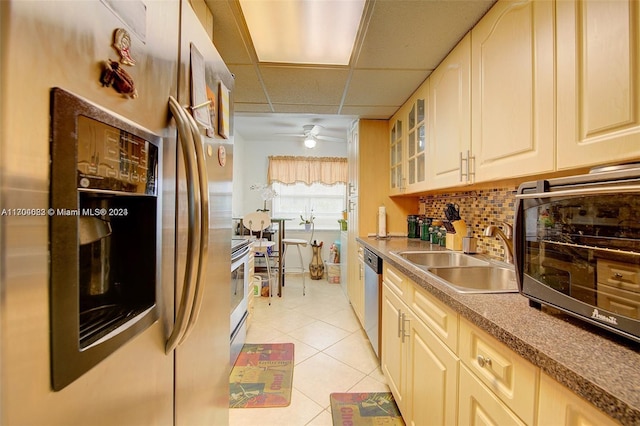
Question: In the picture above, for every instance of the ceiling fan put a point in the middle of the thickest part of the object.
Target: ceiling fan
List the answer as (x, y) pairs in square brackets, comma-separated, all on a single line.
[(311, 135)]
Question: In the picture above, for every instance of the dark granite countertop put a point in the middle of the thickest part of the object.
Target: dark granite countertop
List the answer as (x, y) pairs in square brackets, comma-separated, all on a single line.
[(600, 366)]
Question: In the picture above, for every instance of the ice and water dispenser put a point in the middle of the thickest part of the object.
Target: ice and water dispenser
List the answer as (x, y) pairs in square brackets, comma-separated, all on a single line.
[(103, 234)]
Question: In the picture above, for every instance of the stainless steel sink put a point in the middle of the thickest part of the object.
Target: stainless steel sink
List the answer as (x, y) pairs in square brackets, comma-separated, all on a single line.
[(478, 279), (427, 259)]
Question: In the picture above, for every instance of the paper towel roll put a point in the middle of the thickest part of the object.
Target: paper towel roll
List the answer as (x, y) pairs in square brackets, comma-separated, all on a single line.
[(382, 221)]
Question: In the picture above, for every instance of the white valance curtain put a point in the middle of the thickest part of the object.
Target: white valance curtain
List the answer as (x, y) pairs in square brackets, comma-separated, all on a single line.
[(290, 169)]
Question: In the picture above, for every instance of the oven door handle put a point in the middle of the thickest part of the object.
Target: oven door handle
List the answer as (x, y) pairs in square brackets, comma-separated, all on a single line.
[(613, 189), (203, 180), (241, 254), (185, 305)]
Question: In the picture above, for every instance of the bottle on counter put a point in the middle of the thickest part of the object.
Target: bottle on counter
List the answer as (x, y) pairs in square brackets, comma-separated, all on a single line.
[(424, 229), (412, 226)]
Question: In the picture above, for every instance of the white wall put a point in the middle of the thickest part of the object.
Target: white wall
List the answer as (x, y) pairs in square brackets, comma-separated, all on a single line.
[(250, 164)]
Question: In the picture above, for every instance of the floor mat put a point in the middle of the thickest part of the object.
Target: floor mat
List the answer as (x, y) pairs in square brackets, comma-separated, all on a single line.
[(262, 376), (362, 409)]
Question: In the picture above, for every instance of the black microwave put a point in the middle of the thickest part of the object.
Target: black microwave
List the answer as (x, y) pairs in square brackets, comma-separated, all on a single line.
[(577, 246)]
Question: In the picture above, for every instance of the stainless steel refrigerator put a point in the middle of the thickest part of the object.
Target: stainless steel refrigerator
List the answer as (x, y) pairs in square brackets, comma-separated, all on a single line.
[(47, 44)]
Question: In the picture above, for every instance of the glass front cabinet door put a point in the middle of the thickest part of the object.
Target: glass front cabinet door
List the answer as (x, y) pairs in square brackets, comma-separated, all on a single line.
[(416, 157), (398, 183)]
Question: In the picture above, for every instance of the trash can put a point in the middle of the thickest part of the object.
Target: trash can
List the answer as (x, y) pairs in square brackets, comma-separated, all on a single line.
[(333, 272)]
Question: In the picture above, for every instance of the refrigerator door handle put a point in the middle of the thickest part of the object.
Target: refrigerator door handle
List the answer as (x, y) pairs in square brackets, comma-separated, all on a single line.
[(188, 290), (204, 224)]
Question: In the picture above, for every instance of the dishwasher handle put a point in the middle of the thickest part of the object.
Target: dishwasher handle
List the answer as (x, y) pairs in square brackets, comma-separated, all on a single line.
[(373, 261)]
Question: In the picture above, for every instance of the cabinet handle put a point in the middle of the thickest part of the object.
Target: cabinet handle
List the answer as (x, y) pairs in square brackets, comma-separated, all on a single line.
[(471, 170), (482, 361), (466, 161), (404, 320), (617, 275), (400, 315)]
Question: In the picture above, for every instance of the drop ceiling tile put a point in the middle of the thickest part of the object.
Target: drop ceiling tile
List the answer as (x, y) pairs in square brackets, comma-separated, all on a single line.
[(304, 85), (247, 87), (249, 107), (226, 34), (382, 87), (371, 112), (305, 108), (417, 34)]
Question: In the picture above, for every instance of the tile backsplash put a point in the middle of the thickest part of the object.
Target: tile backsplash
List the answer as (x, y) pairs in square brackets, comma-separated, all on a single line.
[(479, 209)]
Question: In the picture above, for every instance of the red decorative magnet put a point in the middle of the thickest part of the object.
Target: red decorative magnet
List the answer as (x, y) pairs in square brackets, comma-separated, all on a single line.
[(115, 76), (122, 43)]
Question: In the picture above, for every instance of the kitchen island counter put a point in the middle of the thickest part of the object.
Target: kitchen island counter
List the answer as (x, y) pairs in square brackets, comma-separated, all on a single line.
[(599, 366)]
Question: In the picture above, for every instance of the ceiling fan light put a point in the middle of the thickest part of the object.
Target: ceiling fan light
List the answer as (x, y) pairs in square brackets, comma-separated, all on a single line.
[(310, 142)]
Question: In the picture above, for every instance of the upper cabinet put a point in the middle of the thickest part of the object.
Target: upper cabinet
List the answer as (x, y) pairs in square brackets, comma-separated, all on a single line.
[(397, 163), (535, 87), (598, 73), (512, 115), (416, 145), (450, 118), (408, 145)]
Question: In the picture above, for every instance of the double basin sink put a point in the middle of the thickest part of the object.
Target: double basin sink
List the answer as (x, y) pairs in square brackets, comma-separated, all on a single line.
[(462, 272)]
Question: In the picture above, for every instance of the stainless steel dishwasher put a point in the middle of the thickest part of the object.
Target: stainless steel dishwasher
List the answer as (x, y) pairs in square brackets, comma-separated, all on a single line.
[(372, 291)]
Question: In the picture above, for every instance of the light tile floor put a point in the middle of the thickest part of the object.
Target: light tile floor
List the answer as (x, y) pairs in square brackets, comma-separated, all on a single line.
[(332, 353)]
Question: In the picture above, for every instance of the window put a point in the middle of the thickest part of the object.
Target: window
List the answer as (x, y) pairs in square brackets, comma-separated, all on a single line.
[(326, 201)]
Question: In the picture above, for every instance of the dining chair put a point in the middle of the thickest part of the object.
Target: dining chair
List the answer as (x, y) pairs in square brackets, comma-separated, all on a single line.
[(260, 222)]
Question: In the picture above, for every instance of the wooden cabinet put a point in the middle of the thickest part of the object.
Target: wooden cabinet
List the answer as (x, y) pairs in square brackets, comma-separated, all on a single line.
[(450, 118), (443, 370), (559, 406), (421, 370), (367, 190), (535, 87), (393, 349), (408, 145), (478, 405), (491, 112), (416, 162), (512, 91), (355, 286), (598, 82), (432, 376), (440, 318), (396, 155), (511, 378)]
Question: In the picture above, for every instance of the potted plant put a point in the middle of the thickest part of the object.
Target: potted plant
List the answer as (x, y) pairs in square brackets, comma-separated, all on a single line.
[(267, 193), (307, 221)]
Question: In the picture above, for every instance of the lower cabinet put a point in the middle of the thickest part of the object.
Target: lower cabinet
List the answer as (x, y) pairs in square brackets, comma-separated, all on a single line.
[(355, 286), (561, 407), (443, 370), (393, 348), (421, 371), (478, 405), (433, 377), (510, 378)]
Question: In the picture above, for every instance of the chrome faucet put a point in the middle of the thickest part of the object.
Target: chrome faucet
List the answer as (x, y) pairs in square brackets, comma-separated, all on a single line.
[(505, 237)]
